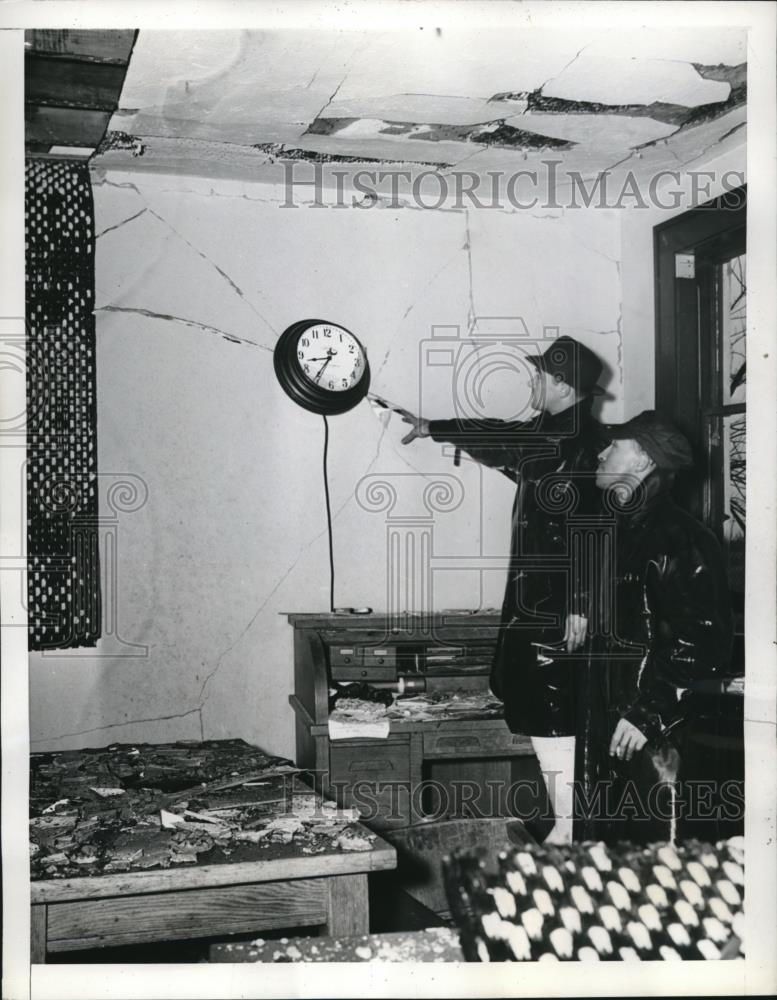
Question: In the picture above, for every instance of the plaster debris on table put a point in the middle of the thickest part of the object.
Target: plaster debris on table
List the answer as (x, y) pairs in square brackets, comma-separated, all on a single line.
[(447, 705), (136, 807), (417, 708)]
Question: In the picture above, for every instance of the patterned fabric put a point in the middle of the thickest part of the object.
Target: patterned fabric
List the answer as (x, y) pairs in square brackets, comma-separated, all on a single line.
[(592, 902), (62, 531)]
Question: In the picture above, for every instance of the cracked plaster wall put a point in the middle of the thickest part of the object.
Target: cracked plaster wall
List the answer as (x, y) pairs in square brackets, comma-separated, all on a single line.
[(194, 284)]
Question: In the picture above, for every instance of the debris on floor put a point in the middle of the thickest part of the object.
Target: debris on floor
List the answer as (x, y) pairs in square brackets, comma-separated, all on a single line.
[(435, 944)]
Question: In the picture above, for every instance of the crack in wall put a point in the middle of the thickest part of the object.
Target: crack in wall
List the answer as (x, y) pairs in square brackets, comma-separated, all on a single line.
[(194, 324), (563, 68), (472, 313), (118, 725), (99, 179), (285, 575), (222, 273), (706, 149), (595, 250), (424, 290), (335, 92), (123, 222)]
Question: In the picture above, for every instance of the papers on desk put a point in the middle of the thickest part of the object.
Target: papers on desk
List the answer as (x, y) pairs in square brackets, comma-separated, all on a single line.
[(350, 729), (357, 718)]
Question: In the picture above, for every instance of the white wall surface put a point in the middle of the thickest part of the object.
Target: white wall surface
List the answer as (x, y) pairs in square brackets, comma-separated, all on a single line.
[(194, 285)]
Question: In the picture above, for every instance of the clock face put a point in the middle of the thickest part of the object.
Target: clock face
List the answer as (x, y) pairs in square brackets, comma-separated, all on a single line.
[(321, 366), (330, 357)]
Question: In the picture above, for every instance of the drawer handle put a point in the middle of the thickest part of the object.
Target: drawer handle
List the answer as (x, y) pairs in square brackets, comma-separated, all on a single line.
[(458, 741), (371, 765)]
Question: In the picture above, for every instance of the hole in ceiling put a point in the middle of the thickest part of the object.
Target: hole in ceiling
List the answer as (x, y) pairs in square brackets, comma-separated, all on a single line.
[(495, 133)]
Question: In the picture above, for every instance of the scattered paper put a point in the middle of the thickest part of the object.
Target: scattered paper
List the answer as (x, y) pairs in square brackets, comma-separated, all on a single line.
[(342, 730)]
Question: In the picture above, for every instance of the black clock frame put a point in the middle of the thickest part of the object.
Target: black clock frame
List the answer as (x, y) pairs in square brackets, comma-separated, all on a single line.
[(305, 393)]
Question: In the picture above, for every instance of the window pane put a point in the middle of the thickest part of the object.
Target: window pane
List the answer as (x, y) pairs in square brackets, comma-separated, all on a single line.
[(733, 329), (734, 497)]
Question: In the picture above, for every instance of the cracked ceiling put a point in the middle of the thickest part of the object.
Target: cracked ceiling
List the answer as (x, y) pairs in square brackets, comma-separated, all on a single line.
[(429, 98)]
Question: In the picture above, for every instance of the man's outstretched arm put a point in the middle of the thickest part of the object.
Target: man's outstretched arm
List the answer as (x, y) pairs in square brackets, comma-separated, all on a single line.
[(499, 444)]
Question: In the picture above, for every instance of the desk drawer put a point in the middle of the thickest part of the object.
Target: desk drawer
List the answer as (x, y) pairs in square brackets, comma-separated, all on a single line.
[(363, 663), (369, 760), (476, 743), (363, 673), (345, 656)]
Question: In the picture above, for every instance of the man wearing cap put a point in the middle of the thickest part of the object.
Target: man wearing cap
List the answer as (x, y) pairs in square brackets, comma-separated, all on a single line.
[(662, 625), (552, 458)]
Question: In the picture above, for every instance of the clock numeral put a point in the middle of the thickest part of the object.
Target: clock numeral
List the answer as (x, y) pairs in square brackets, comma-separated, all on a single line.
[(305, 342), (327, 332), (358, 362), (307, 368), (351, 348), (300, 354), (331, 384), (314, 334), (341, 338), (345, 383)]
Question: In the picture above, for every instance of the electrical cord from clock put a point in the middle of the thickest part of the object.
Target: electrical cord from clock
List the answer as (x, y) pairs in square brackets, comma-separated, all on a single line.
[(329, 519)]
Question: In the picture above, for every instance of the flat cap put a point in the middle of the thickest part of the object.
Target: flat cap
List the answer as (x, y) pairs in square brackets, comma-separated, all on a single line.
[(662, 441)]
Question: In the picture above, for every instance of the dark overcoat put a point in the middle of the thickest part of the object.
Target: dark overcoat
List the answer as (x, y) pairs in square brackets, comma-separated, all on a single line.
[(552, 459)]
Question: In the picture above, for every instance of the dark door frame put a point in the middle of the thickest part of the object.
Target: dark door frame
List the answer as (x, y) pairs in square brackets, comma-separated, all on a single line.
[(686, 316)]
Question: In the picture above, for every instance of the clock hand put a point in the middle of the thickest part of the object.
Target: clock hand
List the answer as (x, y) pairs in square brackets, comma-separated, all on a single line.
[(321, 369)]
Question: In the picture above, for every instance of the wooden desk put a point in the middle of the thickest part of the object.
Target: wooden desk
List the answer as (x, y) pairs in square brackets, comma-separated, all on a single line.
[(447, 652), (293, 890)]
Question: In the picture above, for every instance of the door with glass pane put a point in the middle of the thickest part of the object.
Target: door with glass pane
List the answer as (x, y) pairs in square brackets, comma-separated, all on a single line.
[(722, 284), (701, 296), (701, 300)]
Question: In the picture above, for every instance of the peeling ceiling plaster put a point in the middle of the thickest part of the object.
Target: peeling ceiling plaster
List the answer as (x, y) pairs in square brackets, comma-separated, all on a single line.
[(618, 80), (432, 98)]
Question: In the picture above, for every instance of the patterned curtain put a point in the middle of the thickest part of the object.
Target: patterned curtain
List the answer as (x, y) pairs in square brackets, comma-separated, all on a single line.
[(62, 526)]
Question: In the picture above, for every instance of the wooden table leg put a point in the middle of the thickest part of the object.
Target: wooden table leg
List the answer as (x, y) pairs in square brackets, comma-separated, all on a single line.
[(38, 921), (348, 912)]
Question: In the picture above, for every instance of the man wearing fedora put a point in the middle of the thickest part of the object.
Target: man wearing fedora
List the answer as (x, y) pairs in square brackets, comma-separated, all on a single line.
[(552, 458), (661, 631)]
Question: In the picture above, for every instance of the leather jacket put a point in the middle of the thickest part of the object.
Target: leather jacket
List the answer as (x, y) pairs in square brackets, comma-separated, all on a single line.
[(552, 459), (670, 624), (661, 625)]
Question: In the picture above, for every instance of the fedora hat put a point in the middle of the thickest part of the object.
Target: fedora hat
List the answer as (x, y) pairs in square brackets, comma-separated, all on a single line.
[(573, 363)]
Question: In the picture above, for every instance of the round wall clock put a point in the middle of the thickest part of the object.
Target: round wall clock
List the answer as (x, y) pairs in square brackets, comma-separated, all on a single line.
[(321, 366)]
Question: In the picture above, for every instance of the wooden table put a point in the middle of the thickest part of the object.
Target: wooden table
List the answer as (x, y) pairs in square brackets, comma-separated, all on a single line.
[(293, 890), (129, 870)]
